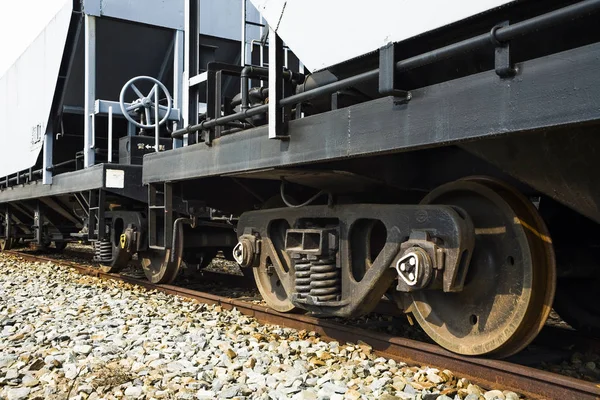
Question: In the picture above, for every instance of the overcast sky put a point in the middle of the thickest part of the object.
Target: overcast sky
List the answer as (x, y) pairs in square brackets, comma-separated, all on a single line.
[(21, 22)]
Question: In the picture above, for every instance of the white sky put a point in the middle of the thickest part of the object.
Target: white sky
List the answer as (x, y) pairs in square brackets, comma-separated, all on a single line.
[(21, 21)]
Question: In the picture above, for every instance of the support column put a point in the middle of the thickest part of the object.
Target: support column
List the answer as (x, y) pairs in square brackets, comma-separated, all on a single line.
[(8, 223), (178, 80), (90, 91), (243, 50), (38, 223), (192, 65), (277, 128), (47, 158)]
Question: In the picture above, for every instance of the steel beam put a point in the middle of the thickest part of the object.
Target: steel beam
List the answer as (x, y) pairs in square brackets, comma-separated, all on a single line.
[(47, 158), (190, 96), (276, 124), (178, 86), (90, 90), (558, 89), (78, 181)]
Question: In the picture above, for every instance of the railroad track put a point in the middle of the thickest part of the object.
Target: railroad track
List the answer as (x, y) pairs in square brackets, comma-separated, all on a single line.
[(531, 382)]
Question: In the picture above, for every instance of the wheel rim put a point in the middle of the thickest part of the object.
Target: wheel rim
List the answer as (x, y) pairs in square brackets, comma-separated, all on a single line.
[(266, 278), (163, 266), (6, 244), (510, 285), (271, 289)]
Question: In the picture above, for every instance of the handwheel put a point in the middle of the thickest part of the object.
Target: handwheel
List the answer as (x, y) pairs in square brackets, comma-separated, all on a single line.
[(163, 266), (511, 279), (148, 102)]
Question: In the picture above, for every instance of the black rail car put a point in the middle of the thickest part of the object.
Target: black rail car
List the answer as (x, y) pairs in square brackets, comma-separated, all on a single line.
[(454, 173)]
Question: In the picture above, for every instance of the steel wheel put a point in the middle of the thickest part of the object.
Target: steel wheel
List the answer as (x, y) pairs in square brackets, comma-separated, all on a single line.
[(6, 244), (511, 279), (270, 287), (163, 266), (268, 282)]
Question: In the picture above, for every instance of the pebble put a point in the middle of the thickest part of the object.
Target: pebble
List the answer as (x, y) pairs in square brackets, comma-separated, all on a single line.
[(134, 391), (99, 339), (494, 395), (18, 393), (29, 381), (83, 349)]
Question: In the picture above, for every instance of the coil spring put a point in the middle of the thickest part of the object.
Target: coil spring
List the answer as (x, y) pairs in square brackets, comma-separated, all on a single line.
[(325, 280), (103, 251), (302, 278)]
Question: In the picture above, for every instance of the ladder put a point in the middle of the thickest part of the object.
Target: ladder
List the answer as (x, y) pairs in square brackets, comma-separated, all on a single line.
[(245, 42), (96, 220), (160, 215), (261, 25)]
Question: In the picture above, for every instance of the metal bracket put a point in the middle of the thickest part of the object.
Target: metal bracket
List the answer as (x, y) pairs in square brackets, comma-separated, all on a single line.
[(503, 64), (387, 74)]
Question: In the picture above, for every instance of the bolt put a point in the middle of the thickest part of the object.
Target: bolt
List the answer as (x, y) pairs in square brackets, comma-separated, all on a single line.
[(412, 261), (402, 267)]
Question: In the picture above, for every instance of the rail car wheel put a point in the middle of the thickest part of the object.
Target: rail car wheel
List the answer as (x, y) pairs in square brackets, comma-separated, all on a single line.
[(6, 244), (268, 282), (511, 280), (163, 266), (270, 287)]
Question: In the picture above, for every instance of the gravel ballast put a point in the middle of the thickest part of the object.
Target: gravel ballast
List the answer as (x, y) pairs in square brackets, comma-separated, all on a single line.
[(65, 335)]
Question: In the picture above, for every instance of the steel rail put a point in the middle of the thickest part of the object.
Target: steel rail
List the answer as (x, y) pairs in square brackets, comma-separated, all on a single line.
[(495, 36), (531, 382)]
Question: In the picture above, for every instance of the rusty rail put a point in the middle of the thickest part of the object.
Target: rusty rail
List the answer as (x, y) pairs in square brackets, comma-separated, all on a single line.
[(531, 382)]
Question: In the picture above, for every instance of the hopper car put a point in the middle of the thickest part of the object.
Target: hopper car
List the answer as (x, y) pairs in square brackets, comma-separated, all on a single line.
[(438, 154)]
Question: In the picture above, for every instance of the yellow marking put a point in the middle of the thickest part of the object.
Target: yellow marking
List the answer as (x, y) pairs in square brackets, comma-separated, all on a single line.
[(531, 229), (490, 231)]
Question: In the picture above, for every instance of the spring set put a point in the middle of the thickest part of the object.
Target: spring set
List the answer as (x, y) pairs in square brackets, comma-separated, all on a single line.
[(303, 278), (103, 251), (320, 279)]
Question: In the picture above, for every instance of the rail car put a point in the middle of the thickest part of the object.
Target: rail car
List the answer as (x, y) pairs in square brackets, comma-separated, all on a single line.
[(74, 124), (343, 152)]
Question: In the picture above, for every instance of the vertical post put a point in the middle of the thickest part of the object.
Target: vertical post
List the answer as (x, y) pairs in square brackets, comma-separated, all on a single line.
[(156, 120), (192, 62), (47, 158), (38, 223), (110, 134), (243, 53), (276, 123), (8, 222), (186, 69), (178, 80), (90, 89)]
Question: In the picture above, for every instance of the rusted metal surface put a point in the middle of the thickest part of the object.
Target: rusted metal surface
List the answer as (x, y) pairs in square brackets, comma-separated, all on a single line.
[(533, 383)]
